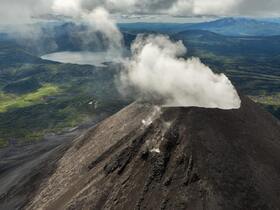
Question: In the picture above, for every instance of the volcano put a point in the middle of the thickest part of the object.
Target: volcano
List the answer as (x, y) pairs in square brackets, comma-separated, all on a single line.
[(146, 157)]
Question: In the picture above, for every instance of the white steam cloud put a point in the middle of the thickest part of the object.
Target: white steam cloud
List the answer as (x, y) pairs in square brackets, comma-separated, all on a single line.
[(157, 72), (98, 19)]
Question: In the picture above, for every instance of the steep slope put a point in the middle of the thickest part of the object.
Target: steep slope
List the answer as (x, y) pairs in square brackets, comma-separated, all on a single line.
[(22, 168), (176, 158)]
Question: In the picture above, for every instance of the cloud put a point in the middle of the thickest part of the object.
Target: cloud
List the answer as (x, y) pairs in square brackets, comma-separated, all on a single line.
[(96, 18), (67, 7), (185, 7), (156, 72), (100, 20), (18, 11), (178, 7), (204, 7), (259, 7)]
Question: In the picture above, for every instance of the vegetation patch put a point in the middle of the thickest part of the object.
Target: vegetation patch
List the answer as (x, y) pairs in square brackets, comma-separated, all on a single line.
[(11, 101), (271, 100), (3, 143)]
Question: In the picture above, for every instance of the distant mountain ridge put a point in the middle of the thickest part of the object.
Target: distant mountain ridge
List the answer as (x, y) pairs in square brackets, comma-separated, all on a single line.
[(240, 27), (230, 26), (69, 36)]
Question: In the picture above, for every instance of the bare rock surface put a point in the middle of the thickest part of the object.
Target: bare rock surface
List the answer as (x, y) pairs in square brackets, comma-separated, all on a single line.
[(146, 157), (173, 158)]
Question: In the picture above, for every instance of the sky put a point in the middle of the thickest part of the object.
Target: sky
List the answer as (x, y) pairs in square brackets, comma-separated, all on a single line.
[(19, 11)]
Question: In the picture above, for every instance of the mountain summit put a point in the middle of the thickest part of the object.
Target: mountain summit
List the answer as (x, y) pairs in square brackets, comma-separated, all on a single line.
[(146, 157)]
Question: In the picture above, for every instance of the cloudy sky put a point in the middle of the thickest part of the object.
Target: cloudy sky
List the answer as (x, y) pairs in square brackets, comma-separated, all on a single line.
[(16, 11)]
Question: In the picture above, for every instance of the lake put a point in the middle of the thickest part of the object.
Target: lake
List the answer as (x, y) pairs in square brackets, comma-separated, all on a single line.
[(83, 58)]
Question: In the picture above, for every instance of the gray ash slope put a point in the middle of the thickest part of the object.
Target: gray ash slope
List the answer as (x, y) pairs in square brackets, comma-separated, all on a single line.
[(208, 159)]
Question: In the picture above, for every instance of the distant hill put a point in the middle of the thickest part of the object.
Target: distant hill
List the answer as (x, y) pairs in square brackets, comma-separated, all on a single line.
[(224, 26), (4, 36), (200, 36), (239, 27), (73, 37), (271, 20), (224, 45), (12, 53), (167, 28)]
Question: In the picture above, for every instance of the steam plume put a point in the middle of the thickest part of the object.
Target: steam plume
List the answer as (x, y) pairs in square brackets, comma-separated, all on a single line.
[(98, 20), (157, 72)]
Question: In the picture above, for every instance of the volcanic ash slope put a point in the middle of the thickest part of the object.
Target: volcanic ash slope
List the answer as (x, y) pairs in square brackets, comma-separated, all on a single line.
[(145, 157)]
